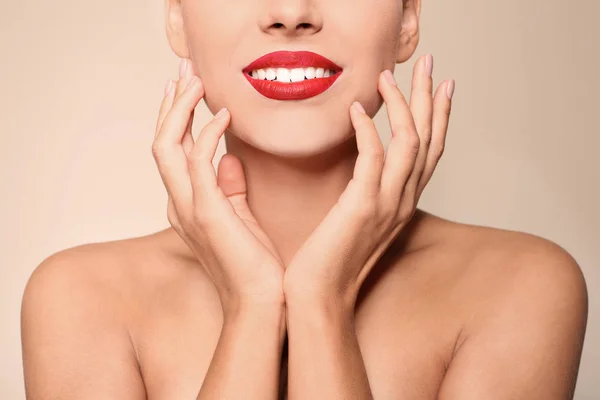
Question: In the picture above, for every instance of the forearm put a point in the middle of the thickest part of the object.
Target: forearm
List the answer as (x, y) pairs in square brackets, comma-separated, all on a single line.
[(246, 362), (324, 356)]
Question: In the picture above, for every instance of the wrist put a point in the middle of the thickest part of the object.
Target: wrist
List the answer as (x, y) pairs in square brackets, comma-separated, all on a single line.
[(262, 325), (241, 310), (325, 319), (319, 296), (332, 305)]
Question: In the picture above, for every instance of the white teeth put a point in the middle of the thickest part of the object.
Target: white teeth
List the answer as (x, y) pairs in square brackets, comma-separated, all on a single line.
[(283, 75), (291, 75), (270, 74), (296, 75)]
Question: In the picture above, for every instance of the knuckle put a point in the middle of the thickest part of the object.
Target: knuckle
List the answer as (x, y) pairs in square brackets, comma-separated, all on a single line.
[(157, 150), (413, 142), (377, 155), (428, 138), (438, 151), (406, 210)]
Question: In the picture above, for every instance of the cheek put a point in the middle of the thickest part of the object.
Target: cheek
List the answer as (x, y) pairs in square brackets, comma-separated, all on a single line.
[(212, 63), (369, 32), (378, 26), (211, 34), (372, 36), (215, 41)]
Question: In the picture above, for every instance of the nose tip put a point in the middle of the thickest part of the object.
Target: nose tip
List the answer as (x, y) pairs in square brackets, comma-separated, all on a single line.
[(291, 20), (291, 29)]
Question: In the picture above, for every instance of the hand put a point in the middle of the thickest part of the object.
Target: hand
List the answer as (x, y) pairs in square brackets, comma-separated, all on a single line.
[(210, 212), (381, 197)]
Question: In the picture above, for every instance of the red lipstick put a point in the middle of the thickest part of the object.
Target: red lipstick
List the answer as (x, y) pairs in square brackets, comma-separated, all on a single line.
[(275, 89)]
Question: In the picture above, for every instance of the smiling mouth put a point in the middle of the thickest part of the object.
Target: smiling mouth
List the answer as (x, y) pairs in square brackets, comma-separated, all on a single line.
[(287, 75), (292, 75)]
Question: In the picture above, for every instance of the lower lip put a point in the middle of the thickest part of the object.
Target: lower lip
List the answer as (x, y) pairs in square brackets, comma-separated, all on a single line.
[(294, 90)]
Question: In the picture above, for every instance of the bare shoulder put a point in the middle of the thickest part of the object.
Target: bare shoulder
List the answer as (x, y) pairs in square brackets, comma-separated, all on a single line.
[(76, 313), (520, 267), (524, 307), (502, 268), (119, 272), (485, 260)]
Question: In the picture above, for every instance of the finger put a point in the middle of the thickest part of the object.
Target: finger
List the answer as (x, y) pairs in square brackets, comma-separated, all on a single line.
[(441, 115), (178, 86), (172, 215), (188, 139), (367, 169), (186, 72), (165, 105), (421, 106), (231, 178), (232, 181), (168, 151), (202, 172), (404, 146), (184, 76)]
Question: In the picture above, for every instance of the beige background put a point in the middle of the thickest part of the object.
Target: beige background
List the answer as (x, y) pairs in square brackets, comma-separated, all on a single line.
[(81, 83)]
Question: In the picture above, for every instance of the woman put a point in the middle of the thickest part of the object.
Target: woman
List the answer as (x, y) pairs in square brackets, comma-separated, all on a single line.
[(303, 267)]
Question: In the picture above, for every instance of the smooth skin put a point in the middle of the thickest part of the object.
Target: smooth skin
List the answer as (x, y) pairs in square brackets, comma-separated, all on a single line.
[(250, 277), (381, 301)]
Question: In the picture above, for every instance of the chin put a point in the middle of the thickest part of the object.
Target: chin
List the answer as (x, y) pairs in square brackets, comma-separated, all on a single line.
[(286, 132)]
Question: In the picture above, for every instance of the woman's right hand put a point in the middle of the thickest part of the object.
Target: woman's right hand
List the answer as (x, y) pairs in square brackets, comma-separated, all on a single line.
[(210, 212)]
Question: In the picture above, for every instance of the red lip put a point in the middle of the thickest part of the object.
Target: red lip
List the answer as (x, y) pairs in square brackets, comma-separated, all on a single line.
[(294, 90), (292, 59)]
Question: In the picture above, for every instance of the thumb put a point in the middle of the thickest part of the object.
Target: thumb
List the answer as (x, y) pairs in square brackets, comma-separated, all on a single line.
[(232, 181)]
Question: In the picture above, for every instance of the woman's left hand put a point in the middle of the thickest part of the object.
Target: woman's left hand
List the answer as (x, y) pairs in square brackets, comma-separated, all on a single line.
[(382, 195)]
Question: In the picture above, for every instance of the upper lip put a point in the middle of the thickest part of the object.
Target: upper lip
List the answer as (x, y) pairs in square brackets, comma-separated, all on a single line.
[(292, 59)]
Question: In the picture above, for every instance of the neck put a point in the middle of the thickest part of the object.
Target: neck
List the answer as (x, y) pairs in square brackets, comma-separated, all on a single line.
[(290, 196)]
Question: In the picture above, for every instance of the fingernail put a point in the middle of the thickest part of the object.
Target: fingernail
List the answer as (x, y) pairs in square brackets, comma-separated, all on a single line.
[(429, 64), (390, 77), (168, 87), (359, 107), (182, 67), (221, 113), (192, 82), (450, 88)]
